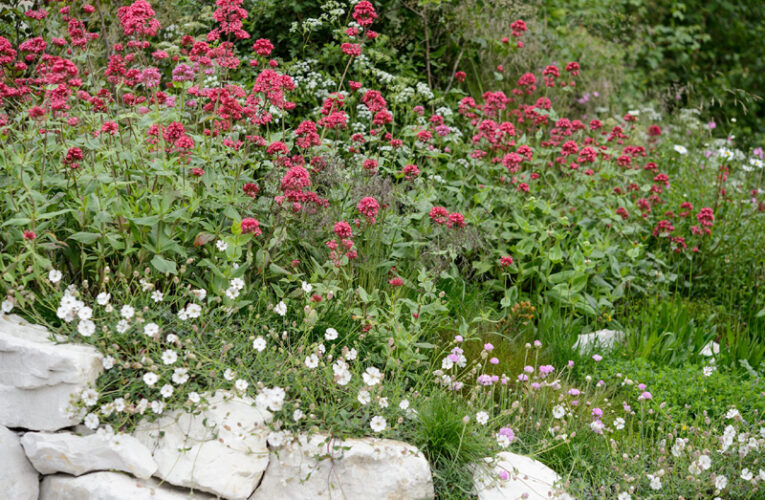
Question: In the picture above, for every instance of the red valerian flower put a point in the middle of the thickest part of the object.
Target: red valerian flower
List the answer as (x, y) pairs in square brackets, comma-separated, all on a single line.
[(251, 189), (369, 207), (29, 235), (197, 172), (396, 282), (250, 225), (439, 215), (343, 230), (364, 13), (706, 217), (460, 76), (456, 219), (263, 47), (138, 18), (654, 130), (573, 68), (410, 172), (506, 261), (518, 27), (351, 49)]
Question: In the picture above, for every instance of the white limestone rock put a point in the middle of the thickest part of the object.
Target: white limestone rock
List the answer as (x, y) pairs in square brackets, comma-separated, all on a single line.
[(221, 450), (312, 468), (76, 455), (602, 339), (18, 479), (39, 378), (111, 486), (525, 476)]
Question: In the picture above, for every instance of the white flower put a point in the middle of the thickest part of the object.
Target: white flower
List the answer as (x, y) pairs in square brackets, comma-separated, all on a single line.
[(404, 404), (85, 312), (746, 475), (166, 391), (127, 312), (619, 423), (597, 426), (705, 462), (721, 482), (171, 338), (732, 413), (482, 417), (180, 376), (229, 374), (761, 475), (364, 398), (221, 245), (103, 298), (678, 447), (280, 308), (330, 334), (276, 439), (351, 355), (383, 402), (241, 385), (157, 296), (169, 357), (503, 441), (378, 424), (372, 376), (199, 293), (122, 326), (312, 361), (655, 482), (157, 407), (86, 328), (194, 397), (142, 405), (680, 149), (108, 362), (624, 496), (119, 405), (193, 310), (6, 306), (151, 329), (150, 378), (273, 398), (237, 283), (259, 344), (297, 415), (146, 285), (91, 421), (558, 411), (708, 370), (54, 276), (307, 287), (89, 397), (232, 293)]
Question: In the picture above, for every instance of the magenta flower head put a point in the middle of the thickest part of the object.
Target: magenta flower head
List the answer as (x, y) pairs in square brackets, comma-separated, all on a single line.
[(458, 338), (597, 412), (645, 396), (570, 364), (488, 347), (641, 386), (537, 343), (597, 358), (528, 369), (503, 475), (494, 361)]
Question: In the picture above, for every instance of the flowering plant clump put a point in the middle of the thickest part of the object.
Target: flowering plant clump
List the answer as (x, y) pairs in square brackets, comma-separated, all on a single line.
[(365, 254)]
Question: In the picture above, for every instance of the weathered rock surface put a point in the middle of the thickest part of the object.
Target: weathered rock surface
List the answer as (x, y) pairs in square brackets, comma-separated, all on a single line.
[(525, 476), (18, 479), (76, 455), (602, 339), (38, 377), (224, 448), (313, 468), (111, 486)]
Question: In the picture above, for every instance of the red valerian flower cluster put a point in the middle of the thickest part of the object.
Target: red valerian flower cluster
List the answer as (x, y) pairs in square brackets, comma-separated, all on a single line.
[(138, 19), (441, 215)]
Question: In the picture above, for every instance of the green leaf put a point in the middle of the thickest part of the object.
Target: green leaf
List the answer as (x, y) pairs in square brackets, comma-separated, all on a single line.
[(163, 265), (85, 237)]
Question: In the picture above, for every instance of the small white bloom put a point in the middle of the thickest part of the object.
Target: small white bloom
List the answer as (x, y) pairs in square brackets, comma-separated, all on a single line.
[(280, 308), (150, 378), (166, 391), (276, 439), (91, 421), (312, 361), (364, 398), (229, 374), (241, 385), (558, 411), (681, 149), (404, 404), (122, 326), (108, 362), (721, 482), (103, 298), (732, 413), (351, 354), (193, 310), (89, 397), (119, 405), (378, 424), (372, 376), (85, 312), (297, 415), (54, 276), (708, 370), (157, 407), (127, 312), (383, 402), (330, 334), (180, 376), (705, 462), (221, 245), (194, 397), (624, 496), (259, 344), (619, 423), (307, 287), (151, 329), (655, 482), (157, 296), (482, 417), (6, 306), (86, 328), (169, 357), (237, 283), (746, 475)]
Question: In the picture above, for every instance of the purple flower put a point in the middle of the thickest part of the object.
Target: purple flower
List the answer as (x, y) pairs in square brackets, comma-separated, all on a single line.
[(494, 361), (645, 395), (528, 369), (597, 357), (597, 412), (484, 379), (488, 347), (183, 73)]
